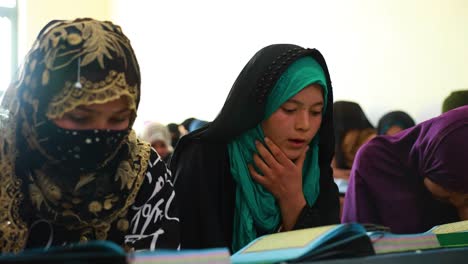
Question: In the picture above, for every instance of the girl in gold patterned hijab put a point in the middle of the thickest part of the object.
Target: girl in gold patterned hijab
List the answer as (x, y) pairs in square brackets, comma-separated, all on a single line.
[(71, 167)]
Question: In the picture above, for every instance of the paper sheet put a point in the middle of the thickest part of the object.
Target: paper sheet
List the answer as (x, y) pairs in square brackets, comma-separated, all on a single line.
[(461, 226), (292, 239)]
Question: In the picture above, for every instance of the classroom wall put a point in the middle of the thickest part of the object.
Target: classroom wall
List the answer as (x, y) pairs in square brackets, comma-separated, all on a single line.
[(386, 55), (33, 15)]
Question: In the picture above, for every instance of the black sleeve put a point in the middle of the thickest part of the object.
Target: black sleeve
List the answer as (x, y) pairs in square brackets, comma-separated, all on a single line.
[(186, 168), (206, 194), (154, 219), (326, 210)]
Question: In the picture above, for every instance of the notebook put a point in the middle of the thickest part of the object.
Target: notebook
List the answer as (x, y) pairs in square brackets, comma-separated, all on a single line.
[(441, 236), (332, 241)]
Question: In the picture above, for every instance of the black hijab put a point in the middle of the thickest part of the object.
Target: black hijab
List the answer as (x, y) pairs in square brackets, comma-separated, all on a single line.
[(200, 162), (245, 105)]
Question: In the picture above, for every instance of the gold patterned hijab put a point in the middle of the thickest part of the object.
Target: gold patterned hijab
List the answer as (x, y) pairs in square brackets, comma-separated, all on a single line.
[(72, 63)]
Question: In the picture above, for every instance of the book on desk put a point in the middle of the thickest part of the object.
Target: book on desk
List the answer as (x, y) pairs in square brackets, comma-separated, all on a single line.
[(319, 243), (346, 240)]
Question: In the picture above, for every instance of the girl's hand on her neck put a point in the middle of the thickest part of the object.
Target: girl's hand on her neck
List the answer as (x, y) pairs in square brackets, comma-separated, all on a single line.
[(282, 177)]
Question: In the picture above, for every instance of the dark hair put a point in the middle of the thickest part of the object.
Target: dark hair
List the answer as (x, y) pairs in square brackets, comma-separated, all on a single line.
[(454, 100), (186, 123), (394, 118), (346, 116)]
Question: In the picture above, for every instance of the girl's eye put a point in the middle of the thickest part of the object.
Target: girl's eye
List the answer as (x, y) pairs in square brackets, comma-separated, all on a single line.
[(316, 113), (118, 120), (289, 110), (78, 118)]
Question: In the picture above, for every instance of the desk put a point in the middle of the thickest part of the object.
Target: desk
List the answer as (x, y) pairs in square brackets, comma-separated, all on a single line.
[(446, 255)]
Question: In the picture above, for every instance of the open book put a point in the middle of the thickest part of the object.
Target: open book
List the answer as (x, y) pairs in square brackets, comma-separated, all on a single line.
[(347, 240), (342, 240), (446, 235)]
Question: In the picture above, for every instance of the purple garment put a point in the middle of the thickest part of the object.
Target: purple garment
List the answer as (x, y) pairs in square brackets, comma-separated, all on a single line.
[(386, 184)]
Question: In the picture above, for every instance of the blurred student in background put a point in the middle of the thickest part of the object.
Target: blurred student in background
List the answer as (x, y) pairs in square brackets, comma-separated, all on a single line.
[(393, 122), (352, 130), (159, 137), (454, 100), (175, 133)]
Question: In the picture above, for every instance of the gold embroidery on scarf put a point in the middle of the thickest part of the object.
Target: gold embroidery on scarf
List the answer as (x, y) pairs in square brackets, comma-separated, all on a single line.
[(51, 191), (13, 229), (36, 196), (140, 154), (100, 44), (100, 39), (113, 87), (14, 232), (84, 179), (122, 225)]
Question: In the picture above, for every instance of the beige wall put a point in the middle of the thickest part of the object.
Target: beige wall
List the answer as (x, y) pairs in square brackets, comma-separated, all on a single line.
[(385, 54), (33, 15)]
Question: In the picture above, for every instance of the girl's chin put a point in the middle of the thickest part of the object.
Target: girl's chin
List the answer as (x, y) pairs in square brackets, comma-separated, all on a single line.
[(293, 155)]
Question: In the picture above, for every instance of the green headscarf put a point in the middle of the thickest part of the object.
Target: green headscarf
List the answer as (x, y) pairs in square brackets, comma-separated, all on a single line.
[(256, 208)]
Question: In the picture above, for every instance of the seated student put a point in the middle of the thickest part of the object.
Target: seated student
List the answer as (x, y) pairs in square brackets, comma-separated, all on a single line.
[(393, 122), (263, 165), (454, 100), (175, 133), (72, 169), (185, 126), (159, 137), (196, 124), (191, 124), (352, 129), (414, 180)]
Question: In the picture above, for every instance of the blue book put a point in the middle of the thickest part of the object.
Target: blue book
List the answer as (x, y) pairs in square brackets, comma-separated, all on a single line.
[(333, 241)]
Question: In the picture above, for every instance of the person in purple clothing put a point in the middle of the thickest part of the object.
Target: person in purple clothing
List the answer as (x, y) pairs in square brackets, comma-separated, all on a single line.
[(414, 180)]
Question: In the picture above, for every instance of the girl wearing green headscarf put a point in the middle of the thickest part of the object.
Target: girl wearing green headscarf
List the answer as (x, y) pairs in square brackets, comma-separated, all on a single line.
[(266, 157)]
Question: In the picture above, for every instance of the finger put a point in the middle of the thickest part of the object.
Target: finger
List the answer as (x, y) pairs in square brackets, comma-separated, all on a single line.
[(277, 153), (266, 155), (256, 176), (261, 165), (300, 161)]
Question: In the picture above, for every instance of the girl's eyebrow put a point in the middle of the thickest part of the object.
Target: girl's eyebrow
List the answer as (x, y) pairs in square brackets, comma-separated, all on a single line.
[(85, 109), (90, 110), (122, 111), (294, 101)]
